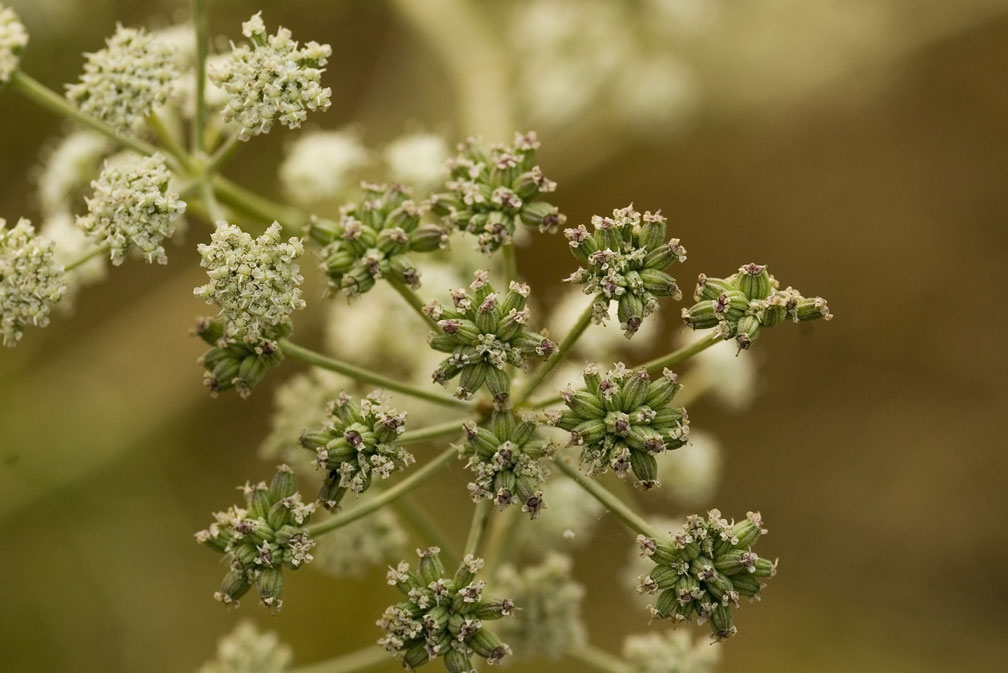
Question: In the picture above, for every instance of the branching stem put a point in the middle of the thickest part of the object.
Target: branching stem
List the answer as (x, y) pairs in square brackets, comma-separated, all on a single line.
[(362, 660), (201, 25), (297, 352), (85, 257), (414, 300), (631, 519), (388, 496), (681, 355), (435, 431), (540, 374), (477, 529)]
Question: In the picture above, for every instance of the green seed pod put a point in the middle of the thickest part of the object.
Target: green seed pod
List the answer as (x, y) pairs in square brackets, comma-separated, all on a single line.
[(415, 656), (431, 567), (764, 568), (233, 587), (666, 604), (749, 530), (456, 661), (645, 468), (754, 281), (721, 620), (270, 584), (747, 331), (664, 577)]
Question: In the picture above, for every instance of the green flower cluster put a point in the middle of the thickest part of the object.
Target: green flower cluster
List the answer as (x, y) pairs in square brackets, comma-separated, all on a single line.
[(442, 616), (623, 420), (484, 334), (372, 239), (509, 462), (231, 363), (624, 260), (703, 570), (742, 304), (261, 539), (357, 443), (494, 188)]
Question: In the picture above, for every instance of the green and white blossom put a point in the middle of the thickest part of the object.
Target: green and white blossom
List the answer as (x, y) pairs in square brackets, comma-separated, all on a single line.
[(124, 82), (13, 39), (31, 280), (255, 282), (132, 208), (273, 79), (67, 167), (417, 159)]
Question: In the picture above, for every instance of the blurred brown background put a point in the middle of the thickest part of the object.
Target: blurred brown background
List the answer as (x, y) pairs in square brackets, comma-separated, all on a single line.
[(859, 148)]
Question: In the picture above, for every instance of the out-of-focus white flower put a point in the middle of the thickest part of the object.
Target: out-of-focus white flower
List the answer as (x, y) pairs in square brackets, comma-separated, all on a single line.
[(600, 342), (353, 549), (249, 650), (689, 475), (30, 280), (68, 167), (132, 209), (670, 652), (255, 282), (417, 159), (656, 90), (71, 242), (549, 621), (727, 373), (569, 520), (13, 38), (126, 80), (272, 80), (320, 166)]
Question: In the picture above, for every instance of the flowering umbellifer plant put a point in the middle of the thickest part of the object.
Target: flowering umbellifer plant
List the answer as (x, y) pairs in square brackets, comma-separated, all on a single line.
[(511, 445)]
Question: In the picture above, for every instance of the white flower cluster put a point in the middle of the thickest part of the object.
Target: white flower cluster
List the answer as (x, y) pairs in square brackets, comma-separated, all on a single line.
[(13, 38), (417, 159), (255, 282), (126, 80), (67, 167), (272, 80), (249, 650), (353, 549), (71, 242), (549, 622), (671, 652), (132, 208), (321, 166), (579, 59), (30, 280), (690, 476)]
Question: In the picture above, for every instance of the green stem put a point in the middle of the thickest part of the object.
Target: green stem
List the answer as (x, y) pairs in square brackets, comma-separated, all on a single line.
[(510, 263), (386, 497), (168, 140), (224, 154), (414, 300), (548, 402), (632, 520), (681, 355), (435, 431), (477, 529), (292, 350), (598, 659), (47, 98), (85, 257), (363, 659), (210, 201), (252, 204), (501, 544), (540, 374), (201, 25), (428, 532)]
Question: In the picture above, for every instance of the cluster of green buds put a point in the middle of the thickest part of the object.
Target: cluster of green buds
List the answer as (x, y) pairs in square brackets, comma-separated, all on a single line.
[(509, 461), (372, 239), (442, 616), (484, 334), (494, 188), (623, 420), (703, 570), (742, 304), (624, 260), (261, 539), (235, 363), (356, 443)]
